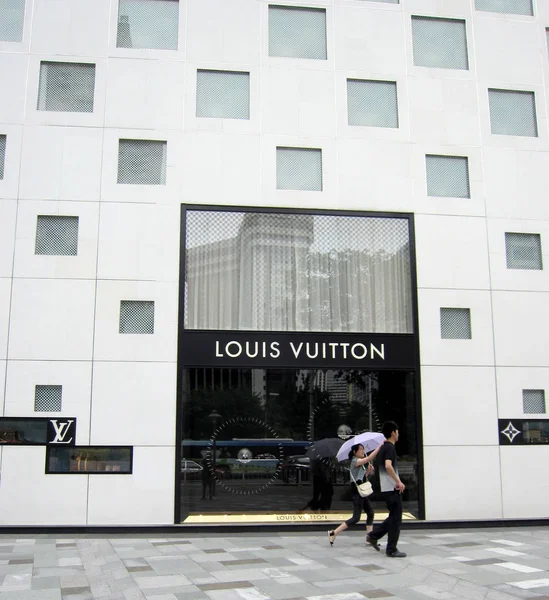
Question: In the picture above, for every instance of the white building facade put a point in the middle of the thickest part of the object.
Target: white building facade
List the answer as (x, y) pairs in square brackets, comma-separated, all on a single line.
[(120, 118)]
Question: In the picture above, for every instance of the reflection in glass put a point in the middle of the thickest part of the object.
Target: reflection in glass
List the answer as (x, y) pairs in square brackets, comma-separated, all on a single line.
[(263, 460), (297, 272), (536, 432), (23, 431)]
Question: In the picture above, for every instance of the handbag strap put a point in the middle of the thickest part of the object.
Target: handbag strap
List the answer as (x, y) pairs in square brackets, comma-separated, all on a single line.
[(351, 473)]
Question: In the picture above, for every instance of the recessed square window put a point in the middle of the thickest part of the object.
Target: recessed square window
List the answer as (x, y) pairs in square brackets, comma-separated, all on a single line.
[(447, 176), (56, 236), (533, 401), (455, 323), (523, 251), (151, 24), (136, 316), (510, 7), (299, 169), (47, 398), (12, 15), (142, 162), (513, 113), (439, 43), (222, 94), (66, 87), (3, 142), (297, 32), (372, 103)]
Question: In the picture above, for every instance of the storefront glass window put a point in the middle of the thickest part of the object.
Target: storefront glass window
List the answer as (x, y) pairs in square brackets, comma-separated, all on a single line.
[(297, 272)]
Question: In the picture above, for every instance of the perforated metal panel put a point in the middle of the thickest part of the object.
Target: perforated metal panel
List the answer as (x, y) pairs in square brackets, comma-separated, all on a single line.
[(297, 272), (223, 94), (372, 103), (455, 323), (66, 87), (447, 176), (297, 32), (533, 401), (56, 236), (547, 37), (385, 1), (47, 398), (511, 7), (152, 24), (513, 113), (12, 16), (3, 142), (523, 251), (137, 316), (440, 43), (142, 162), (299, 169)]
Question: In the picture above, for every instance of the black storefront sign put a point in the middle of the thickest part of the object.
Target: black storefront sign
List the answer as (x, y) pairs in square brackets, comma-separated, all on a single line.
[(523, 432), (37, 431), (296, 350)]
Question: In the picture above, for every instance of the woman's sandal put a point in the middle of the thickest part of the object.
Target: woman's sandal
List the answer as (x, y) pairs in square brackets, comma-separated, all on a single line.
[(331, 537)]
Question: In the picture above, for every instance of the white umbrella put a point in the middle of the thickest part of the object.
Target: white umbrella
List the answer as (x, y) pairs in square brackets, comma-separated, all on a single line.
[(369, 439)]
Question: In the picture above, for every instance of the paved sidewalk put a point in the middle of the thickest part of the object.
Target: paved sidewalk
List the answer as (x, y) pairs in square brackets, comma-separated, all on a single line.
[(496, 564)]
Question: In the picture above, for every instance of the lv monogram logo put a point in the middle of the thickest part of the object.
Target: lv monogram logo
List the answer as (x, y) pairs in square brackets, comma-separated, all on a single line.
[(62, 431)]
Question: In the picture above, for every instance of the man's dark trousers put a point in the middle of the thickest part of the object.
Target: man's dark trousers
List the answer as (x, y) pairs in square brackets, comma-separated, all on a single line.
[(391, 525)]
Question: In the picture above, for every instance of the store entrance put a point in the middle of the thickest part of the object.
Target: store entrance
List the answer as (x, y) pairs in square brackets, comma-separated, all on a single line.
[(249, 438)]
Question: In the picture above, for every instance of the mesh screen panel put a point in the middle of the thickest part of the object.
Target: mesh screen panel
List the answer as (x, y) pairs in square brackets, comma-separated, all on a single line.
[(12, 15), (152, 24), (66, 87), (56, 236), (533, 401), (447, 176), (372, 103), (3, 141), (385, 1), (547, 37), (142, 162), (511, 7), (513, 113), (223, 94), (47, 398), (299, 169), (439, 43), (297, 272), (523, 251), (136, 316), (297, 32), (455, 323)]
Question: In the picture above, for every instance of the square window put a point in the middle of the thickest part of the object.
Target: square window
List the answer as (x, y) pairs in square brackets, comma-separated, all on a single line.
[(136, 316), (151, 24), (299, 169), (12, 16), (372, 103), (66, 87), (510, 7), (439, 43), (533, 401), (47, 398), (297, 32), (513, 113), (56, 236), (455, 323), (223, 94), (523, 251), (142, 162), (448, 176), (3, 141)]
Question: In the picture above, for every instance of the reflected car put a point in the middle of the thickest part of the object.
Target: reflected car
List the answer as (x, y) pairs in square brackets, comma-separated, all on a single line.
[(266, 456), (295, 469), (190, 466)]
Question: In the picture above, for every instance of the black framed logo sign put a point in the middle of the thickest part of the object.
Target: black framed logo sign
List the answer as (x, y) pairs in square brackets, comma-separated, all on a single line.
[(523, 432), (37, 431), (297, 350), (62, 431)]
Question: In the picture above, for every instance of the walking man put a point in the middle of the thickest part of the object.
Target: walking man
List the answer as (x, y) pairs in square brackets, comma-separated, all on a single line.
[(391, 492)]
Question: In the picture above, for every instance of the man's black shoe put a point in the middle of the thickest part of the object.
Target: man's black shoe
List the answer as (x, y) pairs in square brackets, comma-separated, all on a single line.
[(397, 554), (373, 543)]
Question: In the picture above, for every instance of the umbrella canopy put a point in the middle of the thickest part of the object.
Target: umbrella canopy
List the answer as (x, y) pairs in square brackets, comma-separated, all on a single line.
[(369, 439), (324, 448)]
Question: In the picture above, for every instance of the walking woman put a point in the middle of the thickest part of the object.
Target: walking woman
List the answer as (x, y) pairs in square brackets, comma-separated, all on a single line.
[(359, 473)]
